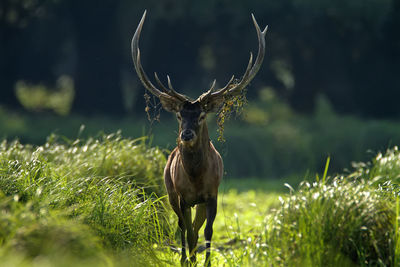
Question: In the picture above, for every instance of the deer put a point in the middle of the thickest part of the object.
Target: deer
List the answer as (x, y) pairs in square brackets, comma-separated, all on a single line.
[(194, 169)]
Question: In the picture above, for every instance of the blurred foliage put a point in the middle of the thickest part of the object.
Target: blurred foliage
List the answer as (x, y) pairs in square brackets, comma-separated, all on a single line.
[(346, 51), (20, 13), (267, 109), (38, 98), (267, 140), (336, 60), (273, 141)]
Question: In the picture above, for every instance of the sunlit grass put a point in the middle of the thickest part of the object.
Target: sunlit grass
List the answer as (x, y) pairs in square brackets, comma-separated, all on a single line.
[(239, 222), (108, 190), (328, 224), (101, 202), (333, 221)]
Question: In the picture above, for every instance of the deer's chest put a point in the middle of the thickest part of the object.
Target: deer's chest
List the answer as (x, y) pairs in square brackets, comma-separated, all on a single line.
[(194, 190)]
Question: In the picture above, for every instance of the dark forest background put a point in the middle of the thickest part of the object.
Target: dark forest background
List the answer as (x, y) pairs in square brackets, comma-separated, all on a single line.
[(347, 50), (71, 59)]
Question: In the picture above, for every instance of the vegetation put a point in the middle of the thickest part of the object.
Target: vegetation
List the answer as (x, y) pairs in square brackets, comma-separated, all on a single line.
[(273, 140), (100, 202), (346, 220), (335, 223), (79, 201), (83, 198), (345, 50)]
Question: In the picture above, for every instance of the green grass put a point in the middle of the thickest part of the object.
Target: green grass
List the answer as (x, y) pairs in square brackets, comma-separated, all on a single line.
[(101, 202), (275, 141), (324, 225), (107, 190)]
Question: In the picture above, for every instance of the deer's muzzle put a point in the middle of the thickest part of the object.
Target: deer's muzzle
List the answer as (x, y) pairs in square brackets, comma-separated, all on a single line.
[(187, 135)]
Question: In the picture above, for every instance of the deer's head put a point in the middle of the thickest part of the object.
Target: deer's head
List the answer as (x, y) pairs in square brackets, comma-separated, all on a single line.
[(191, 113)]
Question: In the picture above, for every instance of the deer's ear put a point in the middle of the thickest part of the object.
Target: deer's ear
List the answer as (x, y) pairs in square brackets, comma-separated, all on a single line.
[(212, 104), (170, 104)]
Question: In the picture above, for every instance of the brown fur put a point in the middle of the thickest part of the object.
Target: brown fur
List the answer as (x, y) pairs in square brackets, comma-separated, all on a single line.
[(194, 168), (206, 174), (192, 176)]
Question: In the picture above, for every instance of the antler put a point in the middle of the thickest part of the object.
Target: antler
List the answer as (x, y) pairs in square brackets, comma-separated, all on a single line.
[(232, 89), (165, 93), (211, 99)]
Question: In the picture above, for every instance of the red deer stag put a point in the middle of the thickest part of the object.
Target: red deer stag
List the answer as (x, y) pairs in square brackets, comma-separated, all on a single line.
[(194, 168)]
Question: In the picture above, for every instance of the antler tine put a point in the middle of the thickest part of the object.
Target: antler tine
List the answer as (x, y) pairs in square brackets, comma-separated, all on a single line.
[(136, 59), (174, 93), (141, 73), (246, 74), (160, 83), (225, 88), (208, 93), (213, 85), (251, 69), (171, 90)]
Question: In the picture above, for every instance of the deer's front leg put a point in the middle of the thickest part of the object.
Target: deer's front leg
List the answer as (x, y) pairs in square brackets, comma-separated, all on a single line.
[(183, 251), (187, 220), (211, 212)]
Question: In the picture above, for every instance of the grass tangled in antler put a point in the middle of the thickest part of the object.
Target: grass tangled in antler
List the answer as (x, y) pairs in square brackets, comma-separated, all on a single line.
[(152, 108), (233, 104)]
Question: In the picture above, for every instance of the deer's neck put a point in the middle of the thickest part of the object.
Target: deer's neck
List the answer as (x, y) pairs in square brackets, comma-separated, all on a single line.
[(194, 157)]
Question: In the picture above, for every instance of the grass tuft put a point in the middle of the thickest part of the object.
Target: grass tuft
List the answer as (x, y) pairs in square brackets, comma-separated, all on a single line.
[(101, 202), (82, 199)]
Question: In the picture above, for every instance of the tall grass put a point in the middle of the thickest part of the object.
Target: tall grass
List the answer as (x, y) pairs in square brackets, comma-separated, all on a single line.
[(101, 202), (328, 224), (84, 198), (347, 220)]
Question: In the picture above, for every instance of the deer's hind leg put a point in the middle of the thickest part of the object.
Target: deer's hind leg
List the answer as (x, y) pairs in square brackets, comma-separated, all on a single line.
[(211, 212)]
